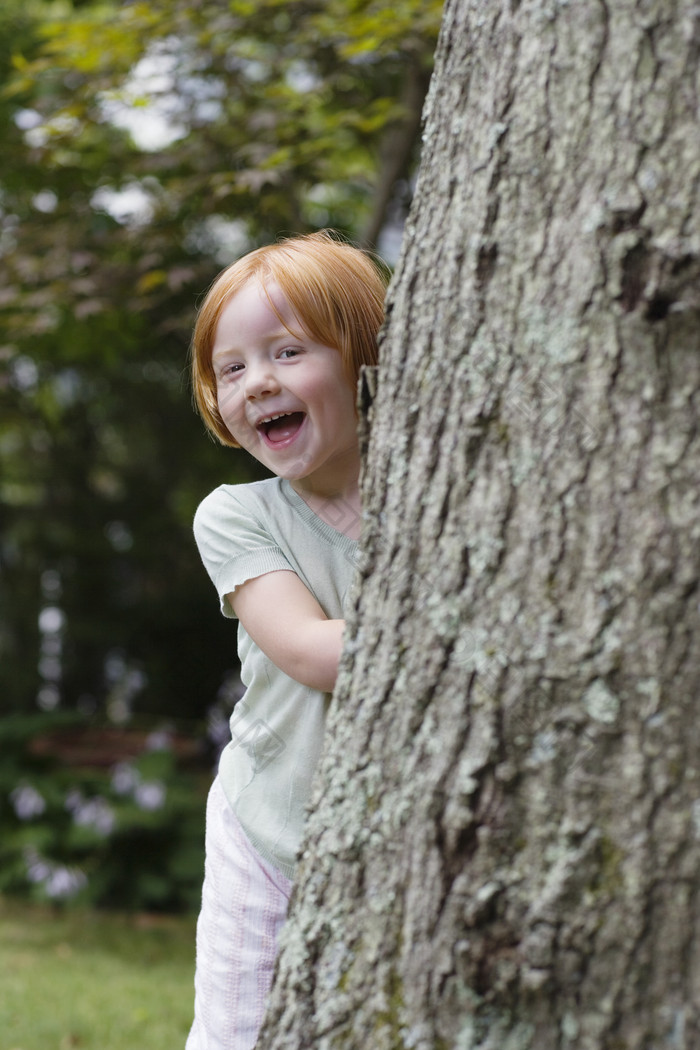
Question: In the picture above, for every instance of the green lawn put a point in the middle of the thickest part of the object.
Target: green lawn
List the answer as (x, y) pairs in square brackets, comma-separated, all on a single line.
[(91, 981)]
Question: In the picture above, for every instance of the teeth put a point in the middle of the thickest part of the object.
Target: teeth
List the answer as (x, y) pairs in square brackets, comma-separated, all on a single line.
[(268, 419)]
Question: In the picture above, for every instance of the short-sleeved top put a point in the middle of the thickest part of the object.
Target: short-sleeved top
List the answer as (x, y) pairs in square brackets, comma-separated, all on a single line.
[(244, 531)]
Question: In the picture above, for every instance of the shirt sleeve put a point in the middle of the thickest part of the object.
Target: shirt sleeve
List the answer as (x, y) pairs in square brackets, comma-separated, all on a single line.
[(233, 543)]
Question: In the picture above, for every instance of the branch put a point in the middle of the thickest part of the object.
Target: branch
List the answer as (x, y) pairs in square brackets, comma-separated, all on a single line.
[(397, 147)]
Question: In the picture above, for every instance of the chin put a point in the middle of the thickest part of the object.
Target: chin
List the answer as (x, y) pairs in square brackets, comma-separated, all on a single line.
[(289, 473)]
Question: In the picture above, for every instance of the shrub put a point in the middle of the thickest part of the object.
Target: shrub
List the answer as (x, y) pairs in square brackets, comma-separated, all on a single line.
[(123, 828)]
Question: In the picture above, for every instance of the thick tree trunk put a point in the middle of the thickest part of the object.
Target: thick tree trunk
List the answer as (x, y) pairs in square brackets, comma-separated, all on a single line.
[(505, 842)]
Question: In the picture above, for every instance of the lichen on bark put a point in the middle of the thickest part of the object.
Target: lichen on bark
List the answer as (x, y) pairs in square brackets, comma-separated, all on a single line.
[(503, 845)]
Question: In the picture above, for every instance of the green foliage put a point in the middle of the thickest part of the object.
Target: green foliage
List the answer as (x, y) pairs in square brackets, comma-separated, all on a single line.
[(83, 979), (263, 118), (128, 835)]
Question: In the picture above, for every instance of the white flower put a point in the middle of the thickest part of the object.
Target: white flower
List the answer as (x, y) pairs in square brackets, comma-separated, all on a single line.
[(27, 802), (125, 778), (58, 881), (64, 882), (150, 795), (93, 813), (159, 740), (37, 869), (97, 814)]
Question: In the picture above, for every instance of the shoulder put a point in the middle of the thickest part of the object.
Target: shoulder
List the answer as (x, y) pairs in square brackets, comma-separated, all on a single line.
[(235, 518), (228, 500), (236, 538)]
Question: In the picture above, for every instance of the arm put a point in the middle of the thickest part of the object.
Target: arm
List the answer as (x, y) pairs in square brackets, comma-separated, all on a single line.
[(284, 619)]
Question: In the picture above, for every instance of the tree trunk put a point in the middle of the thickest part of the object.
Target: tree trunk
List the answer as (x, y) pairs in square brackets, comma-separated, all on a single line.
[(504, 846)]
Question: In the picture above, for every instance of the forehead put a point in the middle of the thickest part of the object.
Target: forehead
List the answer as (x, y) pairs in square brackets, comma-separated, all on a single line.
[(256, 312)]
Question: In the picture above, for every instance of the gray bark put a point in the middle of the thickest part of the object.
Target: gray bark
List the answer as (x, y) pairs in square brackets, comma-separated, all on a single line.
[(504, 846)]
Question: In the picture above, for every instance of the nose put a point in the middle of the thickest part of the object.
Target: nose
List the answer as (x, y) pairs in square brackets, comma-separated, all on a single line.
[(260, 380)]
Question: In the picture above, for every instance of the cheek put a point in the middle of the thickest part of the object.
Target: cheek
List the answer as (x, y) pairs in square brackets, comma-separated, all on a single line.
[(346, 404), (233, 417), (334, 393), (230, 403)]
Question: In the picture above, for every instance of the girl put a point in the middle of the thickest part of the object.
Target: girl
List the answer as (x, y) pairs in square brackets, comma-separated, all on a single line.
[(276, 355)]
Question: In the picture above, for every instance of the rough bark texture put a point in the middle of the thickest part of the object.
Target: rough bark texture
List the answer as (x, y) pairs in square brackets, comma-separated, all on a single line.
[(504, 847)]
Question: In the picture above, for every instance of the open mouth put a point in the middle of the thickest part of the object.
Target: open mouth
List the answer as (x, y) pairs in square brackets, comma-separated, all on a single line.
[(282, 428)]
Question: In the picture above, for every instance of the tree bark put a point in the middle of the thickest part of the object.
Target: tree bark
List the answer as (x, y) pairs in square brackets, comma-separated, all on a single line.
[(504, 845)]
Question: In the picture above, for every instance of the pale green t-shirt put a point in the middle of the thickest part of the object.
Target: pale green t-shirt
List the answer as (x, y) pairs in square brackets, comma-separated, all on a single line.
[(243, 531)]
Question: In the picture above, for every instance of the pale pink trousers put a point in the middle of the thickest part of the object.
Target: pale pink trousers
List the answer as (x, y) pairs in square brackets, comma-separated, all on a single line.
[(244, 905)]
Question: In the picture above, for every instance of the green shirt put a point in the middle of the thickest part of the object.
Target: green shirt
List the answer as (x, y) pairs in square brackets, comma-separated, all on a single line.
[(243, 531)]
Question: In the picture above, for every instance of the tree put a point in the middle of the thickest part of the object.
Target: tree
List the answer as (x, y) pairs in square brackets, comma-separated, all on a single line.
[(256, 118), (505, 836)]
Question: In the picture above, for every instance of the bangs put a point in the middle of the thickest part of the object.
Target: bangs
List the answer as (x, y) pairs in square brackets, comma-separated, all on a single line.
[(335, 291)]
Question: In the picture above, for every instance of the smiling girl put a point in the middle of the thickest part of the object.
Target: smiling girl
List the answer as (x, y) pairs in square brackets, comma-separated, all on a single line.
[(276, 355)]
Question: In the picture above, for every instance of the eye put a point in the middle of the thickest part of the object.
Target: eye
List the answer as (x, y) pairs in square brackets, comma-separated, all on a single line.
[(230, 370), (289, 352)]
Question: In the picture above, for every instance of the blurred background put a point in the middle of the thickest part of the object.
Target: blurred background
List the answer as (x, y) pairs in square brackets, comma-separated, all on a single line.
[(144, 147)]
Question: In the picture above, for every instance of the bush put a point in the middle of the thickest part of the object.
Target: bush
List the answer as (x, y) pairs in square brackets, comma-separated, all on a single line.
[(100, 816)]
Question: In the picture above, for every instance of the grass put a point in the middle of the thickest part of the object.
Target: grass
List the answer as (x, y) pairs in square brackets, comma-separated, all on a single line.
[(77, 980)]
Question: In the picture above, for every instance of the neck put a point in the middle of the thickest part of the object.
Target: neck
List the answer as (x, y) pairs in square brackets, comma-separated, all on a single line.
[(336, 502)]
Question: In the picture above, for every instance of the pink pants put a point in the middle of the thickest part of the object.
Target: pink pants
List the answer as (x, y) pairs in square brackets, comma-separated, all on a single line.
[(244, 905)]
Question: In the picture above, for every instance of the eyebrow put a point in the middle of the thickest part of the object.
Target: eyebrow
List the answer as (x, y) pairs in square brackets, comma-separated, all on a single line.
[(281, 333)]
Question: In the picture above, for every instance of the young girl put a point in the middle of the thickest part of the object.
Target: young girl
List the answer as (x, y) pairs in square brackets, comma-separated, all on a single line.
[(276, 356)]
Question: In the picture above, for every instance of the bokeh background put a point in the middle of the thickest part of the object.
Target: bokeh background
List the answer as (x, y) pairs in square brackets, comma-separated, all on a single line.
[(144, 147)]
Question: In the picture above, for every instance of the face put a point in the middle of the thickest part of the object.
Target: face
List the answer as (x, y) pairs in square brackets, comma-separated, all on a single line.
[(284, 397)]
